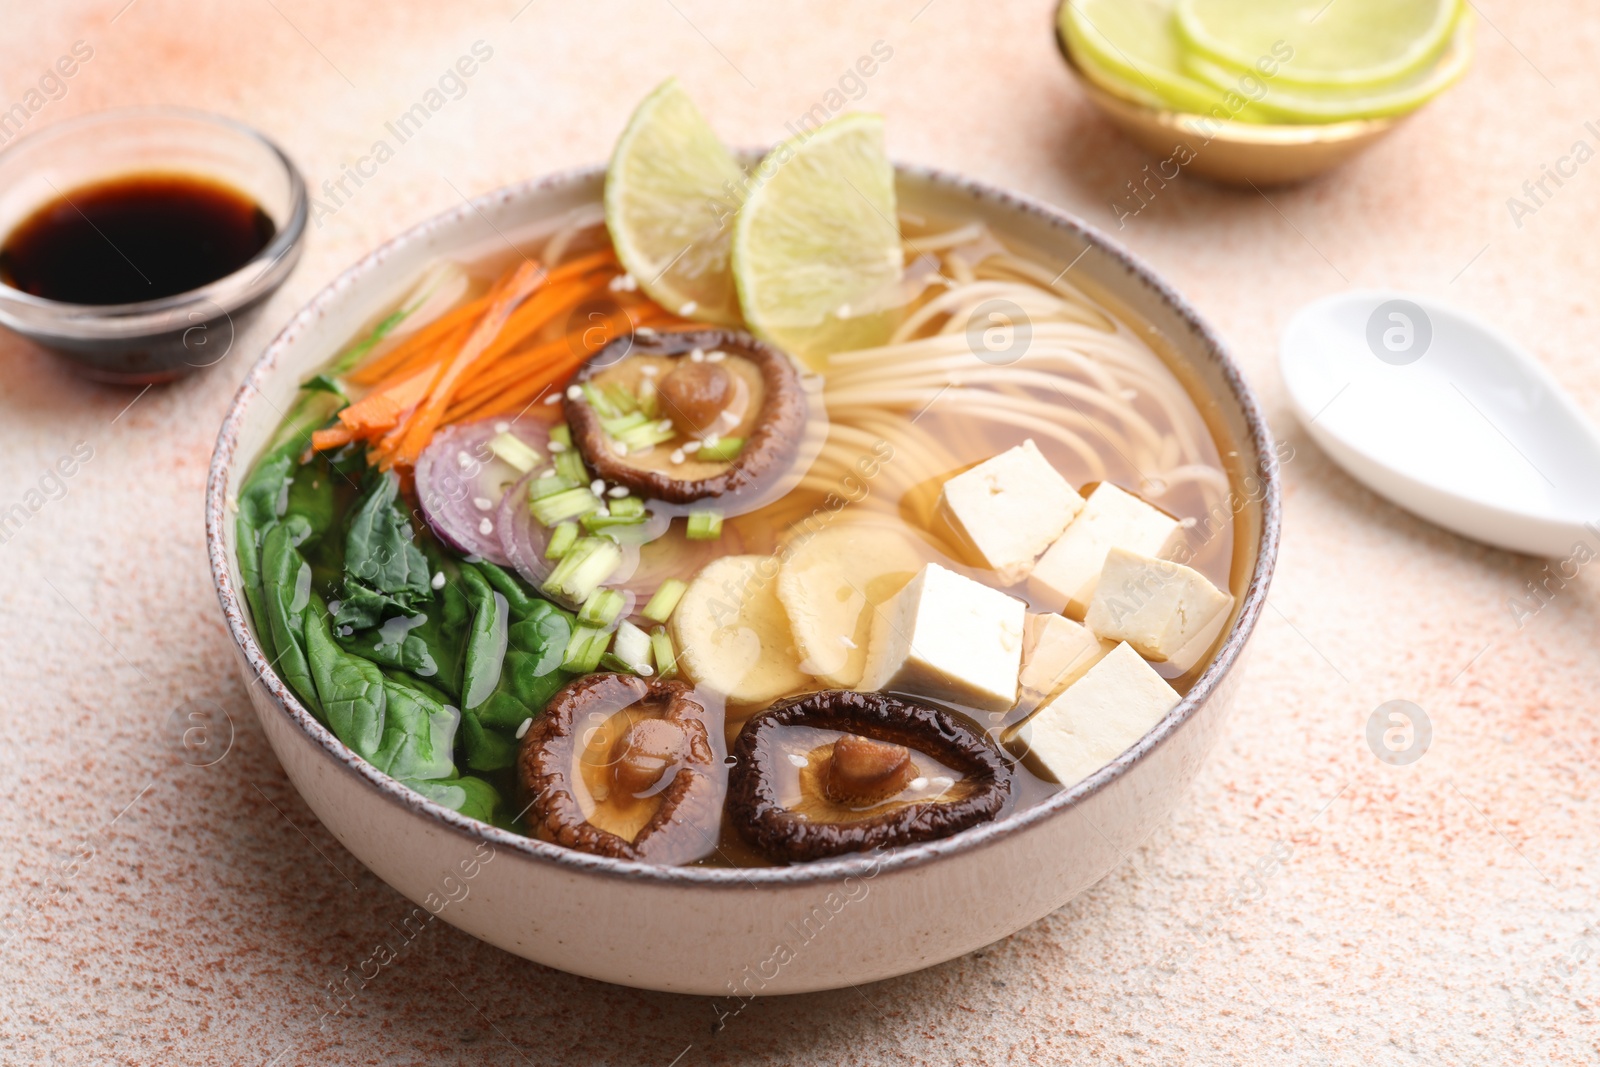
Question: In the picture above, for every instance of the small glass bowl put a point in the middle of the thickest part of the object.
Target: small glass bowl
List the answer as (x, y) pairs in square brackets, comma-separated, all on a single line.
[(151, 340)]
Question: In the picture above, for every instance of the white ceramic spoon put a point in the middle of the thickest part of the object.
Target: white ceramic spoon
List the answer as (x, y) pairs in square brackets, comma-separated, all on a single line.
[(1447, 417)]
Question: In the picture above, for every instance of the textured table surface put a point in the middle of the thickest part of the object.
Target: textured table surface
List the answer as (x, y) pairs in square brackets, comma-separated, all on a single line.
[(1306, 904)]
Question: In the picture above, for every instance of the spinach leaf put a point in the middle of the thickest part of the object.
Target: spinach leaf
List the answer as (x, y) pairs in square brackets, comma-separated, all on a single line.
[(532, 671), (286, 591), (419, 733), (351, 689), (507, 585), (529, 677), (383, 567), (486, 639), (428, 645), (472, 797)]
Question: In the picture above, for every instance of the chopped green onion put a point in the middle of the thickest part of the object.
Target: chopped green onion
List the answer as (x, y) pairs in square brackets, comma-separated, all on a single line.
[(647, 435), (569, 465), (665, 600), (632, 647), (602, 608), (562, 435), (562, 538), (628, 505), (581, 571), (567, 504), (599, 401), (704, 526), (549, 485), (585, 649), (515, 451), (725, 449), (624, 401), (619, 426), (600, 521), (665, 655)]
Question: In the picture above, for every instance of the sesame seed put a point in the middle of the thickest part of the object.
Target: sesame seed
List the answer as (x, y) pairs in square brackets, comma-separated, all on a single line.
[(553, 398), (919, 783), (485, 527), (619, 448), (574, 392), (649, 370), (617, 492), (697, 355), (482, 503), (645, 670), (438, 580), (690, 447), (557, 446), (463, 460), (716, 357), (645, 332), (797, 759), (523, 729), (502, 427), (597, 487), (677, 455), (688, 309), (549, 472)]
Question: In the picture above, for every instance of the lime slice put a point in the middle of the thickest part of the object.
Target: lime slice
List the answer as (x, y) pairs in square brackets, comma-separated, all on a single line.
[(1320, 43), (671, 193), (816, 250), (1300, 104), (1130, 48)]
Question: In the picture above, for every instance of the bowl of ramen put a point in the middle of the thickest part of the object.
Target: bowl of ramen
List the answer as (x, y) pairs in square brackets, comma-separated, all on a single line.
[(741, 575)]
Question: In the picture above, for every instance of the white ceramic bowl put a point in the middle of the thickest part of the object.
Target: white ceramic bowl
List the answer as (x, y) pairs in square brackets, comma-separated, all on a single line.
[(741, 933)]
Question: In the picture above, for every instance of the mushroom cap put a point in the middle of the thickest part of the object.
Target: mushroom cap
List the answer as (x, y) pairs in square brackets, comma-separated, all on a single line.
[(684, 826), (769, 450), (766, 823)]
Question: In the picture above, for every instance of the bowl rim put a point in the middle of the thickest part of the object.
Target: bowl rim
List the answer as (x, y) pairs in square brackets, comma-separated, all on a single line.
[(1255, 134), (1258, 438), (232, 291)]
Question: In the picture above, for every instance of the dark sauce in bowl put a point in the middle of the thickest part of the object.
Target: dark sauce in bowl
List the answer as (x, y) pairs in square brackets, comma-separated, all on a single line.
[(133, 238)]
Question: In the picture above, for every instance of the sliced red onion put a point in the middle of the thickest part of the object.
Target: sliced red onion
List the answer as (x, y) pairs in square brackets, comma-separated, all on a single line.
[(461, 483)]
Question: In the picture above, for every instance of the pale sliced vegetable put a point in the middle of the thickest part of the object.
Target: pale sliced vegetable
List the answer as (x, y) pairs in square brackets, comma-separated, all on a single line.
[(816, 251), (732, 633), (671, 193), (829, 585)]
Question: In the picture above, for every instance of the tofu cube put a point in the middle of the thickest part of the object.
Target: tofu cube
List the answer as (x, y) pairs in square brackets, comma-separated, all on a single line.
[(1155, 605), (949, 638), (1096, 718), (1066, 574), (1055, 653), (1010, 508)]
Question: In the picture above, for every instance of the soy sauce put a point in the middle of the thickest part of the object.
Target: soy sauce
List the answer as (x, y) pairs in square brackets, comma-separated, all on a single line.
[(138, 237)]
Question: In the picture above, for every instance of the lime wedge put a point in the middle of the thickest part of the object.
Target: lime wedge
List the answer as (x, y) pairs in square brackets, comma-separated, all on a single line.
[(1330, 43), (1300, 104), (1131, 48), (671, 193), (816, 249)]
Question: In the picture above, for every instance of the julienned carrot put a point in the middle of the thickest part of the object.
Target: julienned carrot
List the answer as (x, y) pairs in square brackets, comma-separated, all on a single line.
[(332, 437), (421, 341), (439, 333), (419, 427), (382, 408)]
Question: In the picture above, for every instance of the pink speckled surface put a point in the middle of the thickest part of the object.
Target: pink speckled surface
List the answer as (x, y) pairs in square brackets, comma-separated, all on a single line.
[(1307, 904)]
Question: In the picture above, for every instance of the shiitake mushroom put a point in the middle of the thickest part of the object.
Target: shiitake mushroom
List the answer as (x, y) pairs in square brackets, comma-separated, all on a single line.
[(737, 387), (624, 767), (839, 771)]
